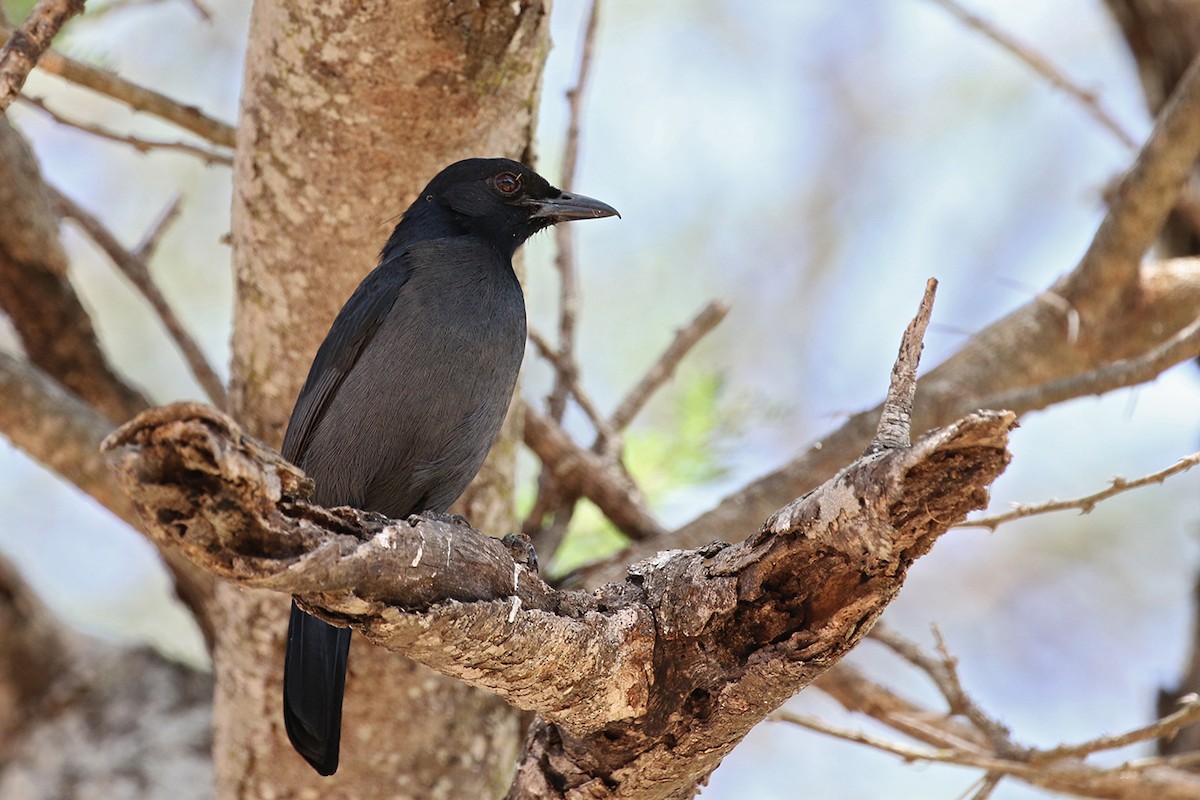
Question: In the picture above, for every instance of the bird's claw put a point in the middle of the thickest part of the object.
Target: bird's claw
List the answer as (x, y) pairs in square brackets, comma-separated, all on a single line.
[(521, 549)]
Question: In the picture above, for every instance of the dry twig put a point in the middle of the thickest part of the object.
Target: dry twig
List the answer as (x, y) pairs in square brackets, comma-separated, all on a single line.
[(564, 235), (584, 473), (1086, 503), (139, 98), (943, 671), (138, 273), (1043, 67), (1188, 713), (1060, 769), (1181, 347), (896, 414), (137, 143), (26, 44), (603, 429), (665, 365)]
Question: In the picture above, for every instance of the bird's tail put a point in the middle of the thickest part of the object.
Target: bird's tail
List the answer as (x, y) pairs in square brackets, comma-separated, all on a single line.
[(314, 678)]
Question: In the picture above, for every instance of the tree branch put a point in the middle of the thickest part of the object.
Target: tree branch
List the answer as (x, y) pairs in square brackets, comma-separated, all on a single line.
[(82, 718), (757, 621), (582, 472), (1059, 769), (143, 146), (1085, 504), (137, 270), (27, 43), (1124, 312), (139, 98), (641, 687), (668, 361), (896, 415), (1043, 67), (62, 433)]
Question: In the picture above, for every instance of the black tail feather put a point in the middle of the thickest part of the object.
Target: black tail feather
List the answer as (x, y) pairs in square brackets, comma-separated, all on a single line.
[(314, 679)]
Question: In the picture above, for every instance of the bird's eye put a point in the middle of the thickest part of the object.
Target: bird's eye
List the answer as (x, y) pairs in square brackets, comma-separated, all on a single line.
[(507, 183)]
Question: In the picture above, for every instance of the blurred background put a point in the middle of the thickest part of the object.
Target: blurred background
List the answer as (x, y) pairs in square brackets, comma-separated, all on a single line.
[(811, 165)]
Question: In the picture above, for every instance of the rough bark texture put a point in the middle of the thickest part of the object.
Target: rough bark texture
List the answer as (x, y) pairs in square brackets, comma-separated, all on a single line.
[(641, 687), (347, 111)]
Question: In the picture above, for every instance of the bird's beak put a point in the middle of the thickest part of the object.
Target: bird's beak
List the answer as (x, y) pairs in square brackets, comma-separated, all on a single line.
[(571, 206)]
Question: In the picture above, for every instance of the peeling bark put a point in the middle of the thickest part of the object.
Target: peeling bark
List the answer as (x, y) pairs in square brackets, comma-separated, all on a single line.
[(641, 687)]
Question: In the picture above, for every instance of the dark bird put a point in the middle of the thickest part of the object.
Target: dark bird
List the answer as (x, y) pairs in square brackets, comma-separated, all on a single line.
[(407, 392)]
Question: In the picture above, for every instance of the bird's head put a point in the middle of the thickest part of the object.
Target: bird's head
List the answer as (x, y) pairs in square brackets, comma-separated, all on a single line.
[(503, 201)]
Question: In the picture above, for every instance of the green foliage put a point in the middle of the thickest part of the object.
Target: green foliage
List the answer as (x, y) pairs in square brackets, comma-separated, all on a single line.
[(682, 454), (17, 10)]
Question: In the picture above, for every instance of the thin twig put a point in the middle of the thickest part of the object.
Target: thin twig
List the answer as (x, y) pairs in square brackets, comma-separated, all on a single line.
[(123, 5), (1042, 66), (1188, 713), (603, 429), (895, 418), (1181, 347), (564, 235), (139, 98), (201, 9), (943, 671), (136, 270), (962, 703), (26, 44), (904, 751), (141, 145), (146, 248), (551, 499), (987, 785), (1086, 503), (1058, 769), (664, 367)]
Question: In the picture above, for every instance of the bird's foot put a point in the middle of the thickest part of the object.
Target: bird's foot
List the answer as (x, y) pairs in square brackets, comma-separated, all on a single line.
[(521, 549), (448, 519)]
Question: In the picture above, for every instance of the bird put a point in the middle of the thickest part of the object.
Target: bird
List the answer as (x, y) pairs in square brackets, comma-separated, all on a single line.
[(408, 391)]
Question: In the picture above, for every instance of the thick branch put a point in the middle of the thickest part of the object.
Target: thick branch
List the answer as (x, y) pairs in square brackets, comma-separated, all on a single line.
[(54, 327), (694, 648), (582, 472), (57, 429)]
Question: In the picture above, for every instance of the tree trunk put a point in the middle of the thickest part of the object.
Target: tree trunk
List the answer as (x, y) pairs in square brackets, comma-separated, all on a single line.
[(346, 113)]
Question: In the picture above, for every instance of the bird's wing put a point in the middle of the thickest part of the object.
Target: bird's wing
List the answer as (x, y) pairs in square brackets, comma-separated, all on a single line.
[(353, 328)]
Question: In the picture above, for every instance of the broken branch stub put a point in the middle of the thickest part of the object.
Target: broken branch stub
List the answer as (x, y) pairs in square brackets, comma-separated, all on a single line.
[(642, 685)]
